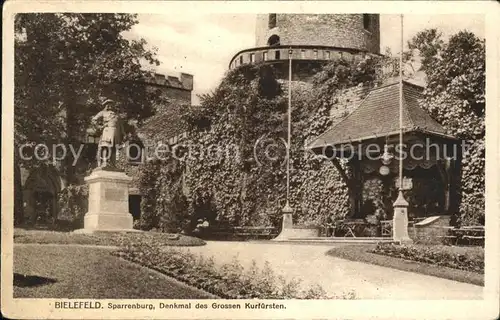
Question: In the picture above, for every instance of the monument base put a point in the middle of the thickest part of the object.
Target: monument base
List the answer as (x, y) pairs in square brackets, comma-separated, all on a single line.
[(108, 202)]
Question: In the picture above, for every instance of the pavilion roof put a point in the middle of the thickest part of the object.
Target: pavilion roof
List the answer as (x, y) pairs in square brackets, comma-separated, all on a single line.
[(378, 116)]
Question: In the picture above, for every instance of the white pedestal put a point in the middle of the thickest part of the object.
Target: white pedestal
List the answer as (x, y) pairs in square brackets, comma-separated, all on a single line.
[(108, 202), (286, 224), (400, 221)]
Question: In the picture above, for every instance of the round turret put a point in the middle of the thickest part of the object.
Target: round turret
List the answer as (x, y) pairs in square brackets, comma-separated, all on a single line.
[(311, 39)]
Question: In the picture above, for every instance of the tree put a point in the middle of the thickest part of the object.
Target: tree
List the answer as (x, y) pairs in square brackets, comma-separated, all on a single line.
[(65, 65), (455, 97)]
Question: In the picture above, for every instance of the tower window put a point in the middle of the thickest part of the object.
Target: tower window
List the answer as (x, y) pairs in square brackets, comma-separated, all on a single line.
[(272, 21), (303, 54), (327, 55), (241, 59), (315, 54), (273, 40), (366, 21), (277, 54), (252, 57), (264, 56)]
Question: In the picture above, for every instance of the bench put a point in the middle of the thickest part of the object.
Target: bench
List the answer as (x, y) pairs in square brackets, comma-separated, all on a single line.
[(474, 239), (469, 234)]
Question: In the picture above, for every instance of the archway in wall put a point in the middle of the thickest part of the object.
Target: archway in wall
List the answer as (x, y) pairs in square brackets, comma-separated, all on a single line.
[(40, 195), (273, 40)]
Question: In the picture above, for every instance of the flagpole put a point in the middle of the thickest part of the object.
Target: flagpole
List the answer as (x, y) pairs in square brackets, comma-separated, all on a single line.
[(287, 205), (401, 109)]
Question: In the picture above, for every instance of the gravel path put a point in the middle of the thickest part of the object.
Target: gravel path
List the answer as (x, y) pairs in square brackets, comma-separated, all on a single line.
[(310, 264)]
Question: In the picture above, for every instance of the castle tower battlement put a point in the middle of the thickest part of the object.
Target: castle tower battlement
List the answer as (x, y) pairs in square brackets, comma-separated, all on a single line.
[(182, 81)]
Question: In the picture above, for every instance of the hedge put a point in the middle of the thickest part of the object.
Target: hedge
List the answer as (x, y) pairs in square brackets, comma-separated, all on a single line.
[(468, 259), (229, 281)]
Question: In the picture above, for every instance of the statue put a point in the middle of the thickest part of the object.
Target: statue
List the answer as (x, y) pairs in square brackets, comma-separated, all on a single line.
[(112, 137), (108, 201)]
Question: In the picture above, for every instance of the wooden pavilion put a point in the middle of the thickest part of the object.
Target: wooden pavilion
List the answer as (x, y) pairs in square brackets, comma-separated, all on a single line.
[(359, 143)]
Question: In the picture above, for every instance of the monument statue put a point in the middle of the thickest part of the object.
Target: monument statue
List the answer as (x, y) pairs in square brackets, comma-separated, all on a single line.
[(113, 134), (108, 208)]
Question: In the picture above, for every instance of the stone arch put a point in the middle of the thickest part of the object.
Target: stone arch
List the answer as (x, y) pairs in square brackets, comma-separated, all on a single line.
[(273, 40), (40, 194)]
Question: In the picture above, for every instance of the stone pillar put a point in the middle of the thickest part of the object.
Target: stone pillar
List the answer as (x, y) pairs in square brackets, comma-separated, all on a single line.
[(108, 202), (400, 220), (286, 224), (287, 217)]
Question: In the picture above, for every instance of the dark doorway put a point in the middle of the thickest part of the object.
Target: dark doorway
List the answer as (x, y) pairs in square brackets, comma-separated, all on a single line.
[(134, 206)]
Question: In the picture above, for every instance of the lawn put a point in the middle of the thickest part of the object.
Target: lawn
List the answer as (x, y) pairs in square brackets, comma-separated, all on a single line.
[(85, 272), (102, 238), (362, 253)]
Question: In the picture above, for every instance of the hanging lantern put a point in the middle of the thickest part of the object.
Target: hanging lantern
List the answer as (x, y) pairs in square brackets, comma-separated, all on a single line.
[(384, 170), (387, 156)]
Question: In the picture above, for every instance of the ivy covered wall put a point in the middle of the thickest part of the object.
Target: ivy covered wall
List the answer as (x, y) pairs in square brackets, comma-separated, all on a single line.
[(229, 180), (233, 160)]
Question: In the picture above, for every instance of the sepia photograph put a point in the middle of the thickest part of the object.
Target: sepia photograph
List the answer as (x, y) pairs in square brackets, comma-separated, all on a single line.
[(187, 160)]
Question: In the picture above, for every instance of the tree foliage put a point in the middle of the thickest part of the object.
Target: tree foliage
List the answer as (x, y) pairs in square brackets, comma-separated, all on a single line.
[(455, 97), (66, 64)]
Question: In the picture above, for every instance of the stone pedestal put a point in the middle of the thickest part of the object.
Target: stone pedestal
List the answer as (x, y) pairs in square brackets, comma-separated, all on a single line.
[(108, 202), (400, 220)]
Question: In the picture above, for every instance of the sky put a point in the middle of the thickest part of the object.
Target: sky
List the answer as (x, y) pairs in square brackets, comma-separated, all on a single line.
[(203, 44)]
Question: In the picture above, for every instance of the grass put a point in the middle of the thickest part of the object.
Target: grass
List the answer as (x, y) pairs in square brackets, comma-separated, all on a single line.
[(85, 272), (102, 238), (362, 253)]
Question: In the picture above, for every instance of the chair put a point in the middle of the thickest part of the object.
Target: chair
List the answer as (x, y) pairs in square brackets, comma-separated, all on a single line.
[(386, 228)]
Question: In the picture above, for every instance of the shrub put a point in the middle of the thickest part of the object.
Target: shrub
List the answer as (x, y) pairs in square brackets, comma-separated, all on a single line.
[(472, 212), (230, 280), (73, 204), (468, 259)]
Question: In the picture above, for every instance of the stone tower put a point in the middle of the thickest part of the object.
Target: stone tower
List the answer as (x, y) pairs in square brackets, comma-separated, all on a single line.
[(312, 39)]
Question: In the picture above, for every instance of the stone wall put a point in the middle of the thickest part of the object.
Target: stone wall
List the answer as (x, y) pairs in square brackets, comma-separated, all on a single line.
[(430, 231), (336, 30)]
